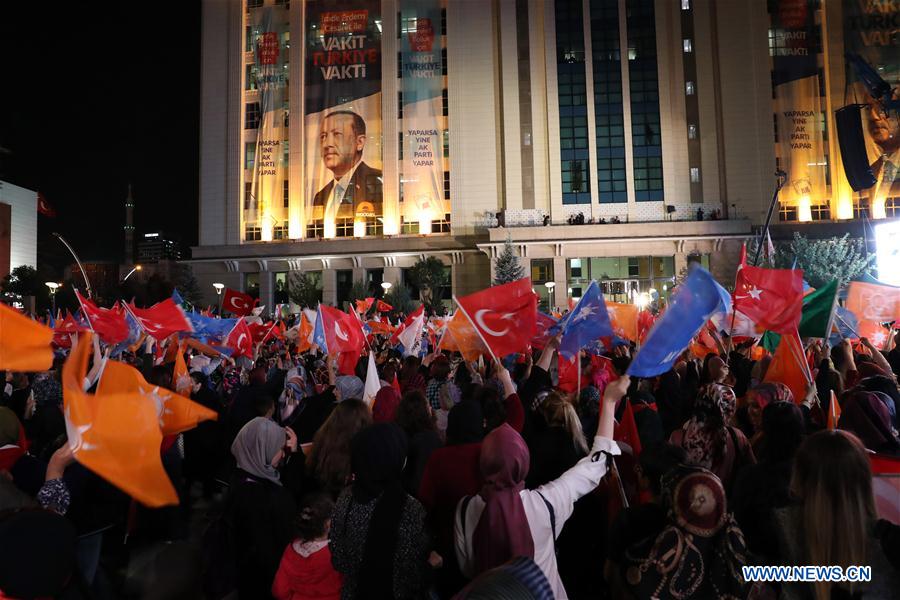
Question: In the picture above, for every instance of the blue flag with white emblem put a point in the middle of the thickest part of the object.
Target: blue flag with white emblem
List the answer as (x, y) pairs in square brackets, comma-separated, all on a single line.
[(209, 328), (319, 332), (588, 322), (694, 302)]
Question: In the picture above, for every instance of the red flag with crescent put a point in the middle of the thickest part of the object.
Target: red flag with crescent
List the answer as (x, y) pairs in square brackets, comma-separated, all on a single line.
[(238, 303), (505, 316), (240, 340)]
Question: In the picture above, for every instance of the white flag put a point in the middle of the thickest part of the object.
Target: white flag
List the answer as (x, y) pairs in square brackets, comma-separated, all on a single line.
[(373, 382)]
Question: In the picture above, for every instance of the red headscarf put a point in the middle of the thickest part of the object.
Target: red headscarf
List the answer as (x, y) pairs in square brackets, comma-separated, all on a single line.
[(13, 443), (385, 406), (502, 532)]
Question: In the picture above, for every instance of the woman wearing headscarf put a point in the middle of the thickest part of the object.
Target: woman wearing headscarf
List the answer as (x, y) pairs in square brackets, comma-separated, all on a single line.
[(757, 399), (505, 520), (259, 511), (378, 538), (709, 439), (867, 416), (765, 486), (384, 408), (699, 553)]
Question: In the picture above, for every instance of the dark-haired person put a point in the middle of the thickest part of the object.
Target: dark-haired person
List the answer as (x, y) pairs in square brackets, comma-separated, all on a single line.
[(415, 418)]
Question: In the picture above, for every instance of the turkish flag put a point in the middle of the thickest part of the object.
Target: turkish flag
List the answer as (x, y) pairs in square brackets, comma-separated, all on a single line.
[(108, 323), (381, 306), (342, 331), (505, 316), (238, 303), (772, 298), (240, 340), (162, 319), (44, 207)]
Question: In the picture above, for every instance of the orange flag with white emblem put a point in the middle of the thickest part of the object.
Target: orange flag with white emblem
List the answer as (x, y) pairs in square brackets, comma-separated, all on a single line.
[(461, 336), (24, 343), (181, 379), (115, 435), (834, 411), (624, 320), (176, 413)]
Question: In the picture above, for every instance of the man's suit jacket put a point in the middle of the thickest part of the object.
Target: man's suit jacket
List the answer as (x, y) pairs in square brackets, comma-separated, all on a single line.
[(365, 186)]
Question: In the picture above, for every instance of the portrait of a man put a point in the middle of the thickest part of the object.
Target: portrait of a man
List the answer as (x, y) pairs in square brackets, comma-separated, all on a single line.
[(342, 138)]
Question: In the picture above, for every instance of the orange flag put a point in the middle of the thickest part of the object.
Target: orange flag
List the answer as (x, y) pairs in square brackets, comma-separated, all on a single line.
[(115, 435), (624, 320), (872, 302), (181, 379), (789, 366), (303, 330), (176, 413), (460, 336), (834, 411), (24, 343)]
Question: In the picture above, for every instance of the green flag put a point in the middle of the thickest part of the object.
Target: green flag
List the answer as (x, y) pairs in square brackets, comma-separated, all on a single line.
[(817, 309), (770, 341)]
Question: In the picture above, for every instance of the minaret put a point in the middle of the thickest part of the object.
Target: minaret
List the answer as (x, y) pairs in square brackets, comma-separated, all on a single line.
[(129, 229)]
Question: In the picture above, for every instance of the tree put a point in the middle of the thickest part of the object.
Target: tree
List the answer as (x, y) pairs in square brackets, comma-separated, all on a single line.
[(507, 267), (401, 299), (304, 290), (430, 276), (187, 285), (25, 281), (822, 260)]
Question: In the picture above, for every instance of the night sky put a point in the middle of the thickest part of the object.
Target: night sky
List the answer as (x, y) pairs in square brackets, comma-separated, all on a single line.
[(95, 95)]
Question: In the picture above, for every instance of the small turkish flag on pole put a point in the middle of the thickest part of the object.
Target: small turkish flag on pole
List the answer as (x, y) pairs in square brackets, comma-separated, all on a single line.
[(238, 303)]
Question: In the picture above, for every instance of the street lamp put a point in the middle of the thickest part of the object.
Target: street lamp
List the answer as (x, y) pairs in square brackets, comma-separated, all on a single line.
[(550, 285), (219, 287), (136, 268), (53, 286), (386, 285)]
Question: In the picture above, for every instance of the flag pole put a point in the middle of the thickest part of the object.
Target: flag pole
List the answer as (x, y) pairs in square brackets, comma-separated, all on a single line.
[(475, 327), (831, 316), (578, 360)]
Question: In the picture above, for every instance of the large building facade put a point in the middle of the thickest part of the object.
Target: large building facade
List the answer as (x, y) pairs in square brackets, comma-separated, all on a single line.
[(347, 139)]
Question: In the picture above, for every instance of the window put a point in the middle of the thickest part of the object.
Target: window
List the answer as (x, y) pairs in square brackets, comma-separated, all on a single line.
[(254, 4), (695, 174), (399, 65), (249, 155), (860, 208), (685, 4), (572, 94), (344, 227), (251, 115), (399, 105), (634, 266), (250, 82), (608, 106), (400, 146), (252, 233), (443, 21), (442, 225), (285, 156), (315, 229), (446, 143), (644, 98), (284, 3), (248, 194), (891, 207), (575, 268), (445, 103), (446, 185), (443, 61), (692, 132), (822, 212), (542, 270), (280, 231), (687, 45), (286, 193), (408, 227), (689, 88), (787, 213), (344, 285), (374, 227)]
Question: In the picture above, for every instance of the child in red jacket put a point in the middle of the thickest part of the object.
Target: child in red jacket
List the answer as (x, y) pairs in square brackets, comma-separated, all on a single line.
[(305, 572)]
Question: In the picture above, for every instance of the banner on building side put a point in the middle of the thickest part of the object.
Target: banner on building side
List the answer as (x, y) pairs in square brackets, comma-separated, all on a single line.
[(422, 179), (798, 107), (269, 28), (343, 148), (872, 31)]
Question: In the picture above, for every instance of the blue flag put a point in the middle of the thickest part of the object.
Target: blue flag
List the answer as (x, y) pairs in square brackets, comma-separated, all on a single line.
[(177, 297), (586, 323), (319, 333), (846, 324), (134, 334), (694, 302), (206, 328)]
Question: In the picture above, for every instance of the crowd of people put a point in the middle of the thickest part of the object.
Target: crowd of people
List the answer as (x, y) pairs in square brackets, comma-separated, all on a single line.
[(465, 480)]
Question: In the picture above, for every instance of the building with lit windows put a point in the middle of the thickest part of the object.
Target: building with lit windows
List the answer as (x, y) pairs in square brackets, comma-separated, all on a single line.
[(605, 139)]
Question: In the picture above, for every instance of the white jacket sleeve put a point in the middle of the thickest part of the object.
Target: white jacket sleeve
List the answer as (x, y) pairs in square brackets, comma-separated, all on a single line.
[(562, 492), (463, 541)]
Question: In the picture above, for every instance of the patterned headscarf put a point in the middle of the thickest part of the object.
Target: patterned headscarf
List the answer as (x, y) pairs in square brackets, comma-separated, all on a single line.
[(704, 433), (769, 392), (701, 550)]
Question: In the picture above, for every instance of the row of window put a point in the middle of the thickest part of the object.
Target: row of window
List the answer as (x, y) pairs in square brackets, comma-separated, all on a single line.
[(608, 108), (250, 153), (822, 212), (250, 202)]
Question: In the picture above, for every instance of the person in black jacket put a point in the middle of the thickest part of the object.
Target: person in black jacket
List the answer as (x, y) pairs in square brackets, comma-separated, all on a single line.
[(203, 448), (259, 511)]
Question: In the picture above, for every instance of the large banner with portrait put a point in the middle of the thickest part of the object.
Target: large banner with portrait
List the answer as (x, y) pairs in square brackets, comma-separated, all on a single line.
[(798, 106), (343, 150), (872, 31), (269, 172), (422, 178)]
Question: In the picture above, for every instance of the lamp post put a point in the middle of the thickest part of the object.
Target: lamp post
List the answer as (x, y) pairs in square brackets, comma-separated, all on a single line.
[(219, 287), (53, 286), (136, 268), (550, 299)]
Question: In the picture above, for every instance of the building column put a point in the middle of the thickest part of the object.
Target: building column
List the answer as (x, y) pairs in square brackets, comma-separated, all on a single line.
[(329, 286), (561, 290), (393, 275), (267, 290), (359, 274)]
